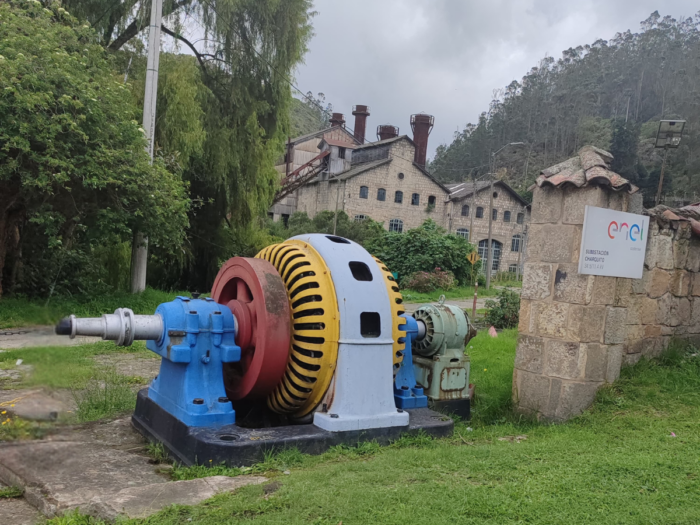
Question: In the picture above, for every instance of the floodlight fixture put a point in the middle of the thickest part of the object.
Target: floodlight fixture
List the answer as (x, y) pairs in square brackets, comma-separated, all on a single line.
[(669, 134)]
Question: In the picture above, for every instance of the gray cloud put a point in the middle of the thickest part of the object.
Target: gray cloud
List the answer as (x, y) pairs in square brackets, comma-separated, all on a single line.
[(445, 57)]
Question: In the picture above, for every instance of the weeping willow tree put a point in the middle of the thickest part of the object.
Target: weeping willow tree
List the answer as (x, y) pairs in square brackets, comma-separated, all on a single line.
[(222, 110)]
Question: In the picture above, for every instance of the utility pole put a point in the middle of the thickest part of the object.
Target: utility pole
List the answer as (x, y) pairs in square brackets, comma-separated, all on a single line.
[(489, 253), (139, 246)]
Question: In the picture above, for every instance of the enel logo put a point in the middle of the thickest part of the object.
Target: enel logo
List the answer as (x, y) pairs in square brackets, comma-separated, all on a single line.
[(629, 231)]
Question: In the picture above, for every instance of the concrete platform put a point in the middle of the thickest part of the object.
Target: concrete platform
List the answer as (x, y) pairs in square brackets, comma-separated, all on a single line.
[(16, 511)]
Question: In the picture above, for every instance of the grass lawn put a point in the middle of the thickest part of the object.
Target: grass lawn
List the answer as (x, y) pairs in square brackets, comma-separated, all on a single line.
[(18, 311), (461, 292), (617, 463)]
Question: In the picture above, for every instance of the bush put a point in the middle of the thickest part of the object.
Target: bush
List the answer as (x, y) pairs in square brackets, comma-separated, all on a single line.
[(505, 312), (430, 281)]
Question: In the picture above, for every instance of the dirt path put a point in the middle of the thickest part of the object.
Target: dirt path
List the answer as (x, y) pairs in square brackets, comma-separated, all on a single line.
[(32, 336)]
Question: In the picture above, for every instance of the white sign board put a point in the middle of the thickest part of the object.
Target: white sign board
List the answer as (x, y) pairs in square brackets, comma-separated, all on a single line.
[(613, 243)]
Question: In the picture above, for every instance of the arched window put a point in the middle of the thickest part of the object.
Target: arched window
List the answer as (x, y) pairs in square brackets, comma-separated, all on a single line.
[(415, 199), (396, 225), (463, 232), (506, 216), (515, 243), (495, 194), (360, 218), (521, 218), (480, 213), (398, 197), (496, 248), (465, 211), (381, 194), (494, 214), (364, 192)]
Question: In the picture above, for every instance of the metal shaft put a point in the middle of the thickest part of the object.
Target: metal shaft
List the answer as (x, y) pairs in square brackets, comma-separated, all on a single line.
[(122, 327)]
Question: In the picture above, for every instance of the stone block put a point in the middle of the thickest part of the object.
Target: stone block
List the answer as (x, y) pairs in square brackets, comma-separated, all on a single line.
[(649, 347), (531, 391), (652, 330), (693, 262), (615, 327), (657, 284), (603, 290), (634, 347), (596, 361), (618, 201), (635, 331), (529, 355), (694, 324), (578, 233), (571, 286), (552, 319), (614, 363), (679, 283), (574, 322), (639, 286), (695, 285), (546, 205), (524, 317), (576, 199), (554, 396), (664, 250), (635, 203), (592, 324), (684, 311), (537, 281), (630, 359), (550, 243), (667, 312), (563, 360), (649, 310), (634, 310), (575, 397), (623, 292), (681, 248)]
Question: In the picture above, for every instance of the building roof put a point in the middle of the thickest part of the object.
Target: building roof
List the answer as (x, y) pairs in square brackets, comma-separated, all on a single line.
[(690, 213), (590, 167), (461, 190), (339, 143), (304, 138), (354, 170), (385, 142)]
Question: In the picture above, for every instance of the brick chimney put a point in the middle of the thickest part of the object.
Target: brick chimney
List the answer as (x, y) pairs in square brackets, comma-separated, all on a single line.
[(387, 131), (422, 125), (361, 113), (337, 120)]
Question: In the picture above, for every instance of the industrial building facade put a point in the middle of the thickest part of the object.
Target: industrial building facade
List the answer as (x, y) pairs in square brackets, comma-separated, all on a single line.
[(387, 182)]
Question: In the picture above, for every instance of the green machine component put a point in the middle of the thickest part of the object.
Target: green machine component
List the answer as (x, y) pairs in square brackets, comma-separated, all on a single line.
[(439, 362)]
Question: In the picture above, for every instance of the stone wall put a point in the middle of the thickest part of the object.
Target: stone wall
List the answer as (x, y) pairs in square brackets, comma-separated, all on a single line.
[(576, 331)]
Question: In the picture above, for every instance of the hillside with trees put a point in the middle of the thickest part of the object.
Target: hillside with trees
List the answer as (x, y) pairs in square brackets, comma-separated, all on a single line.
[(610, 94)]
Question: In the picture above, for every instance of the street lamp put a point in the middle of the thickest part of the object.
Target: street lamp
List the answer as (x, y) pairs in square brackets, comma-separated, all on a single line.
[(668, 137), (489, 254)]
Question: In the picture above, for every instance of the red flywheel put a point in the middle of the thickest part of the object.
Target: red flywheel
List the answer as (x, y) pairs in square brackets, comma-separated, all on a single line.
[(255, 293)]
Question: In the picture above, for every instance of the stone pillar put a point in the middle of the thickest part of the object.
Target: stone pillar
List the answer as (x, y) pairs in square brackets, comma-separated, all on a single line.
[(572, 327)]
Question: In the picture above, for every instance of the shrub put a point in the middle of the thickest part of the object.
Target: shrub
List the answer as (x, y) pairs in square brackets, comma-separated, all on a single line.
[(429, 281), (505, 312)]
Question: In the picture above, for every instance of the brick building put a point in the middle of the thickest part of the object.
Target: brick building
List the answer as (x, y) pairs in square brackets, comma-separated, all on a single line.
[(387, 182)]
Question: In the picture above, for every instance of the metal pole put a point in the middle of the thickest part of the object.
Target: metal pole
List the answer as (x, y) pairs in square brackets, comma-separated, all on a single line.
[(661, 178), (337, 197), (139, 247), (472, 211), (520, 246)]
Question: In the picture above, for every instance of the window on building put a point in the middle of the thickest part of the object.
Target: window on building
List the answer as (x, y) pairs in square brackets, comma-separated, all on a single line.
[(506, 216), (480, 213), (495, 194), (463, 232), (360, 218), (512, 268), (396, 225), (494, 214), (341, 153), (401, 175), (285, 218), (415, 199), (521, 218), (270, 215), (515, 243), (364, 192), (465, 211), (381, 194), (496, 248), (431, 200), (398, 197)]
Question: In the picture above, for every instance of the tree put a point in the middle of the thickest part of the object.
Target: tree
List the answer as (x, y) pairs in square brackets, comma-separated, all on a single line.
[(623, 147), (74, 173)]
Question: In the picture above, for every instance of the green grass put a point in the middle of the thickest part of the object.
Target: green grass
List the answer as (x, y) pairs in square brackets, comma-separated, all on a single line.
[(19, 311), (461, 292), (65, 366), (11, 492), (106, 394), (618, 463)]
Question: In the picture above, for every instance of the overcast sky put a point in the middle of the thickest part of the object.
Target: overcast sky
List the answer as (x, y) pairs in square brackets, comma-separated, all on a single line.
[(445, 57)]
